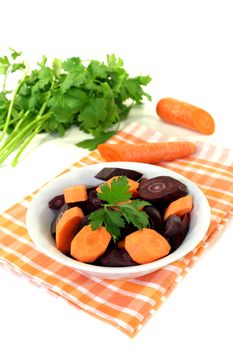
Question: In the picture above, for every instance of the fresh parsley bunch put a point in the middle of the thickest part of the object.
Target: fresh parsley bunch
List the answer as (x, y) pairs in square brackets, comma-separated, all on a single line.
[(118, 208), (91, 95)]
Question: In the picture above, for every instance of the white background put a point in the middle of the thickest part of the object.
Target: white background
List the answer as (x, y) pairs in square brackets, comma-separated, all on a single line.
[(186, 46)]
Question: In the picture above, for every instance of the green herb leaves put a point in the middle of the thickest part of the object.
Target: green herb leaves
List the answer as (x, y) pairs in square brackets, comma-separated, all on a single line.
[(93, 96), (111, 219), (117, 192), (133, 214), (118, 208), (92, 144)]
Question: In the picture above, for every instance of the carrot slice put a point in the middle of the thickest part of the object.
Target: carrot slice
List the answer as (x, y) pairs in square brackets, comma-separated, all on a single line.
[(133, 185), (88, 245), (76, 193), (146, 152), (146, 245), (179, 207), (121, 244), (67, 227), (186, 115)]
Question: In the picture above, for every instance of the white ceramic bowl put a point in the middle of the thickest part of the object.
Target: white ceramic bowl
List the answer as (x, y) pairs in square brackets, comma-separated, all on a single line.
[(39, 218)]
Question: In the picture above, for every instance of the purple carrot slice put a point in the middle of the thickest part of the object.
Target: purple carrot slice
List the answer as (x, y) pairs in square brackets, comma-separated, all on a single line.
[(56, 202), (176, 229), (117, 257), (155, 218), (107, 173), (162, 189)]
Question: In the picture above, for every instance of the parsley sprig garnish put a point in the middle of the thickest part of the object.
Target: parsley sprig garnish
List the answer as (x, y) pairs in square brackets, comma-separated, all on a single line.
[(118, 208)]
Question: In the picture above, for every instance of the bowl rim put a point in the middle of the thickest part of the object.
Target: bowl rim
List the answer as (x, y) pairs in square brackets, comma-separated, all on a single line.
[(117, 271)]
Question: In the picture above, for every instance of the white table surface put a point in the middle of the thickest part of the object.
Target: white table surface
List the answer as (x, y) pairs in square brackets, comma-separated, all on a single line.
[(186, 46)]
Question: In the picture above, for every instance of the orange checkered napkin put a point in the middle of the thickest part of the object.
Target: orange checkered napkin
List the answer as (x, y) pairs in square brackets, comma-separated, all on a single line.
[(125, 304)]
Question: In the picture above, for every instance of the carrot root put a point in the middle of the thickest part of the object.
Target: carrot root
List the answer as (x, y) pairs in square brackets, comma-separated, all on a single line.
[(186, 115), (147, 152)]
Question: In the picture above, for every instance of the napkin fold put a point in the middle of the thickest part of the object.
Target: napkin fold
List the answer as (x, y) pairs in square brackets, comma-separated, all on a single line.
[(126, 304)]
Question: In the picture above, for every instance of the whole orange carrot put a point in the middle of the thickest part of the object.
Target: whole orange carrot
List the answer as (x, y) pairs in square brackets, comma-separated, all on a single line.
[(147, 152), (184, 114)]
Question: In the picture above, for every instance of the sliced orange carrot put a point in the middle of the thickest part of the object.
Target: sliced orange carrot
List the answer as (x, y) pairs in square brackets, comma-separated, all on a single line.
[(88, 245), (121, 244), (127, 202), (179, 207), (133, 185), (186, 115), (146, 245), (67, 228), (117, 208), (76, 193), (146, 152)]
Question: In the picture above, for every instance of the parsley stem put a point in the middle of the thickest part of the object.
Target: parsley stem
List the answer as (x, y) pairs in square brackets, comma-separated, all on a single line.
[(21, 118), (16, 140), (21, 136), (21, 133), (12, 121), (24, 145), (4, 131), (8, 117), (5, 79)]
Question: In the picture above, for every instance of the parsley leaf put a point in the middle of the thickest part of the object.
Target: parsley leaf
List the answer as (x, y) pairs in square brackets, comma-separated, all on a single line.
[(91, 144), (117, 192), (76, 74), (93, 113), (17, 66), (138, 204), (97, 70), (97, 218), (114, 215), (111, 219), (15, 54), (71, 64), (136, 217), (4, 64), (64, 106), (131, 88), (45, 77), (113, 223)]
